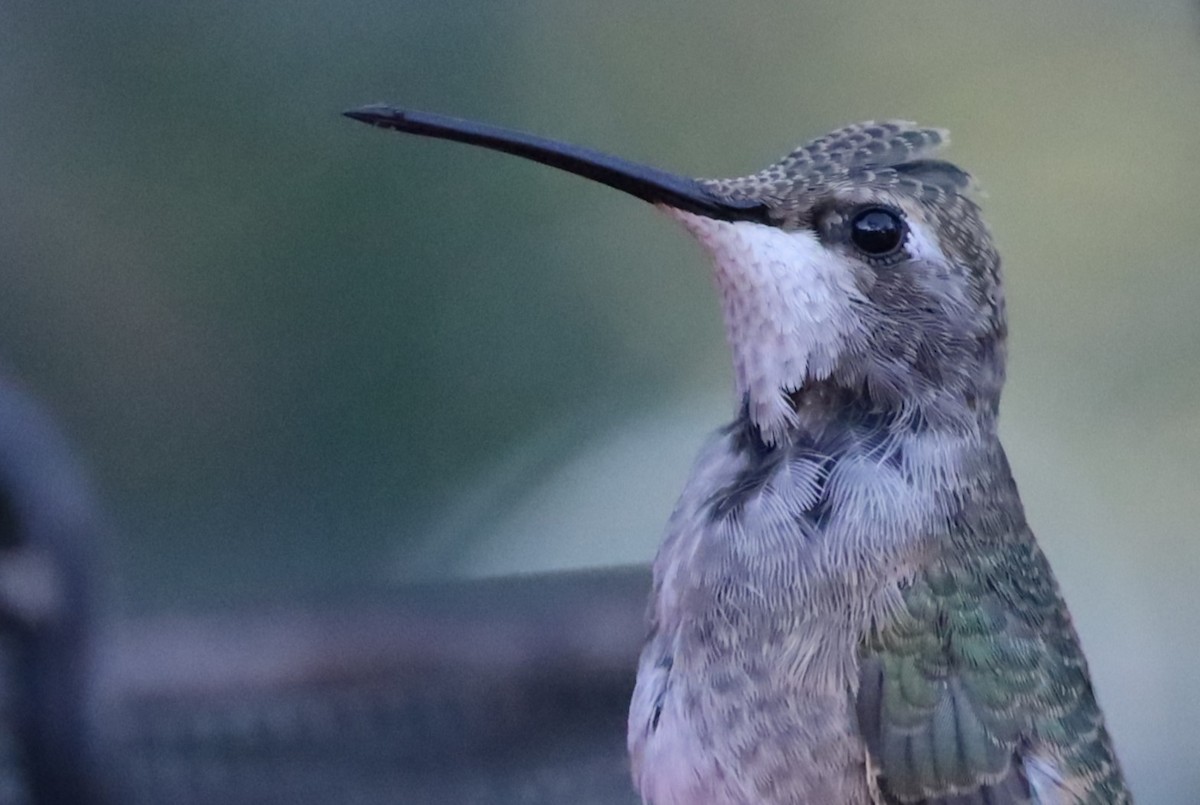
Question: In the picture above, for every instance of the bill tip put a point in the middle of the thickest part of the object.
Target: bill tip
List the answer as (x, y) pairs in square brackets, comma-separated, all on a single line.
[(374, 113)]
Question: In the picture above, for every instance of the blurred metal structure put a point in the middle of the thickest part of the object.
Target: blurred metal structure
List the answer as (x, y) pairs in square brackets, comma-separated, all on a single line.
[(491, 692), (507, 691), (49, 534)]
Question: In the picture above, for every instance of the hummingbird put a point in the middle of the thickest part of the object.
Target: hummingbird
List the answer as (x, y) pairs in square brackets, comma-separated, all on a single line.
[(848, 605)]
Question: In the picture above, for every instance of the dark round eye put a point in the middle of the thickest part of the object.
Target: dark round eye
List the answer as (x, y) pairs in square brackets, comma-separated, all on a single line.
[(877, 231)]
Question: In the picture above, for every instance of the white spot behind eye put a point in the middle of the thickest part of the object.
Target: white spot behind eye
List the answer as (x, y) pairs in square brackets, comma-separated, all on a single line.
[(922, 244), (924, 247)]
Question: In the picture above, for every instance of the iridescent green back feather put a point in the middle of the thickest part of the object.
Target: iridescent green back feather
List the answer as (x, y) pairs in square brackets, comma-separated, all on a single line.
[(978, 692)]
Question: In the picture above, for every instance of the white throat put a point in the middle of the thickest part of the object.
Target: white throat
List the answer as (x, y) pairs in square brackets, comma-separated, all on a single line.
[(788, 306)]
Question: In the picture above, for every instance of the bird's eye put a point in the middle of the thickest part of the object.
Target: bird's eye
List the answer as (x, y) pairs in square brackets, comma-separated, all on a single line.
[(877, 231)]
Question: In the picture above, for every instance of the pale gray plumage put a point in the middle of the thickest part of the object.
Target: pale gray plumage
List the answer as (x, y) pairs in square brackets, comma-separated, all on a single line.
[(848, 605), (864, 463)]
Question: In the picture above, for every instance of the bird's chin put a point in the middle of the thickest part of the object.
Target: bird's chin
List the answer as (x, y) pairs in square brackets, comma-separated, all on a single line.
[(789, 307)]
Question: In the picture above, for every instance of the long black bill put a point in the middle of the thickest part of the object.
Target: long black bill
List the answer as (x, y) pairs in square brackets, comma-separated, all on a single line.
[(647, 183)]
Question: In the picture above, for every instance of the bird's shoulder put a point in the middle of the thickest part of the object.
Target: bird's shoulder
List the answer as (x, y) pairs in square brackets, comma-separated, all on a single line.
[(977, 691)]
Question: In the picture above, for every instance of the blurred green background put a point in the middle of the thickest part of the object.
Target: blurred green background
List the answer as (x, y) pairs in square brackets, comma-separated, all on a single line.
[(297, 353)]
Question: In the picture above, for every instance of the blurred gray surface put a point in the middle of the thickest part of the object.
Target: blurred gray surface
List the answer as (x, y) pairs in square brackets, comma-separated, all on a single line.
[(497, 692), (492, 692)]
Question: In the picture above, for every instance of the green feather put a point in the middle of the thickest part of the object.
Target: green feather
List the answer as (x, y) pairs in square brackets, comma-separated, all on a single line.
[(981, 667)]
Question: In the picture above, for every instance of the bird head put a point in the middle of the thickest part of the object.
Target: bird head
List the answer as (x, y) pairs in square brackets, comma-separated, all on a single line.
[(855, 268)]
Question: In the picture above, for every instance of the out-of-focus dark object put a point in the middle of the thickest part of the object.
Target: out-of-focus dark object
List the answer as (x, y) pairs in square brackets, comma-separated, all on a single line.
[(494, 692), (48, 540)]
